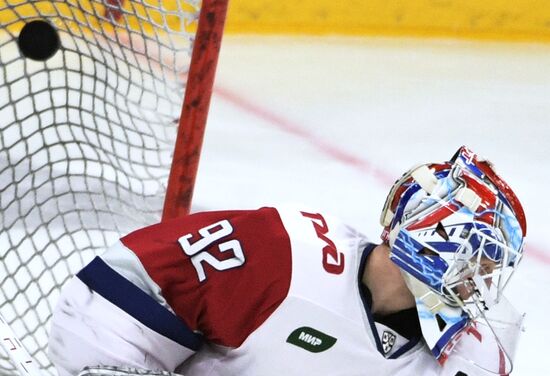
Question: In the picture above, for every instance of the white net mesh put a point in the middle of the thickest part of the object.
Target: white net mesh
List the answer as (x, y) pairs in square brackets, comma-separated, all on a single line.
[(86, 139)]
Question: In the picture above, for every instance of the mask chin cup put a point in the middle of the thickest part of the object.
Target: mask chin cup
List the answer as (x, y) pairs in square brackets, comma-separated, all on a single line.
[(487, 341), (490, 341)]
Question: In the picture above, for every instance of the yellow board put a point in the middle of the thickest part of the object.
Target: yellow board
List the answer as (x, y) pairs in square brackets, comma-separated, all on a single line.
[(83, 16), (488, 19)]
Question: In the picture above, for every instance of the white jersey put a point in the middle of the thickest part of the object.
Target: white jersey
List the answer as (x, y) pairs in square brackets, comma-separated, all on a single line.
[(260, 292)]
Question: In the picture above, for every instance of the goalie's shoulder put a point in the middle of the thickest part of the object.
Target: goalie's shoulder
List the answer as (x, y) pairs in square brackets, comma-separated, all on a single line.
[(265, 224), (171, 230), (213, 268)]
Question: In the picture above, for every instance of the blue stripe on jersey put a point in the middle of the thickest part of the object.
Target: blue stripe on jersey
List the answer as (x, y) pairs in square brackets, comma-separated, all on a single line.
[(406, 347), (102, 279)]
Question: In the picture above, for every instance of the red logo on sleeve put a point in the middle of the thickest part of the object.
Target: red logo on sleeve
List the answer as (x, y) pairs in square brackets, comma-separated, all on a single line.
[(333, 261)]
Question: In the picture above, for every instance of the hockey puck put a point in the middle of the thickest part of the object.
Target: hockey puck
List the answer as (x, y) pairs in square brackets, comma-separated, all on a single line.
[(38, 40)]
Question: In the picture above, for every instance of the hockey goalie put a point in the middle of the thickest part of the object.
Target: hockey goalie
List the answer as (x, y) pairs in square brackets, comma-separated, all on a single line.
[(291, 291)]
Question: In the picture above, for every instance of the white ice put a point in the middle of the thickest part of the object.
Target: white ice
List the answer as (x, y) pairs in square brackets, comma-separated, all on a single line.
[(331, 122)]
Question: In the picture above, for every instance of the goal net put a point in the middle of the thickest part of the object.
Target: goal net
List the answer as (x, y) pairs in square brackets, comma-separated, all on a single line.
[(87, 135)]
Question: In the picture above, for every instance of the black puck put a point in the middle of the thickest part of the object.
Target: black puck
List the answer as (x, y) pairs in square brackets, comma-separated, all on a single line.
[(38, 40)]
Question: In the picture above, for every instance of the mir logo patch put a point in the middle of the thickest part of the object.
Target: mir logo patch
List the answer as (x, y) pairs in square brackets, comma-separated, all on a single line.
[(311, 339)]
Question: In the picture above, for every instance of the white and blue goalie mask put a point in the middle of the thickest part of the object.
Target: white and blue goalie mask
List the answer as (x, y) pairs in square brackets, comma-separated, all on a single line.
[(456, 231)]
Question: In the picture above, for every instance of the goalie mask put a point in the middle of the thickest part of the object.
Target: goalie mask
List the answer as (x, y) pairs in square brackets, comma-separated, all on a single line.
[(456, 231)]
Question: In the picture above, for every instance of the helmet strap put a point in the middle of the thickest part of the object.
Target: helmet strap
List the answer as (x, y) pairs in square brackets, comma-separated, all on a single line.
[(421, 292)]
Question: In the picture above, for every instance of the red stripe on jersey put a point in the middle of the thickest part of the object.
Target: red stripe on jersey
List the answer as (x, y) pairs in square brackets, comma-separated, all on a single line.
[(228, 304)]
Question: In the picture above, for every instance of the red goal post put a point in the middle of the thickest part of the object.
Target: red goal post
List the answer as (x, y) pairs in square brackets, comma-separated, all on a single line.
[(194, 112)]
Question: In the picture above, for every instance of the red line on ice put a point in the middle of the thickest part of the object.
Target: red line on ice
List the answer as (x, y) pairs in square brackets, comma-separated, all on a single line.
[(538, 254), (291, 127), (334, 151)]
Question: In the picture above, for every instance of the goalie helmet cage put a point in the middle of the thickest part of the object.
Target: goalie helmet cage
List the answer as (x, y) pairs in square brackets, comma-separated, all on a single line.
[(87, 138)]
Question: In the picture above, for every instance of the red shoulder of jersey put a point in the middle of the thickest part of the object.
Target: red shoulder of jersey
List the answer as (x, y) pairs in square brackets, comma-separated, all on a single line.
[(222, 272)]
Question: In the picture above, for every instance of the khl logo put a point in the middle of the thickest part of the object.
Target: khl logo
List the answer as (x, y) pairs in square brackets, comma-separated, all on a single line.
[(388, 340)]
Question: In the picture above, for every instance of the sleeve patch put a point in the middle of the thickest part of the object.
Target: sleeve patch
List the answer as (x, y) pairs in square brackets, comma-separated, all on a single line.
[(223, 273)]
